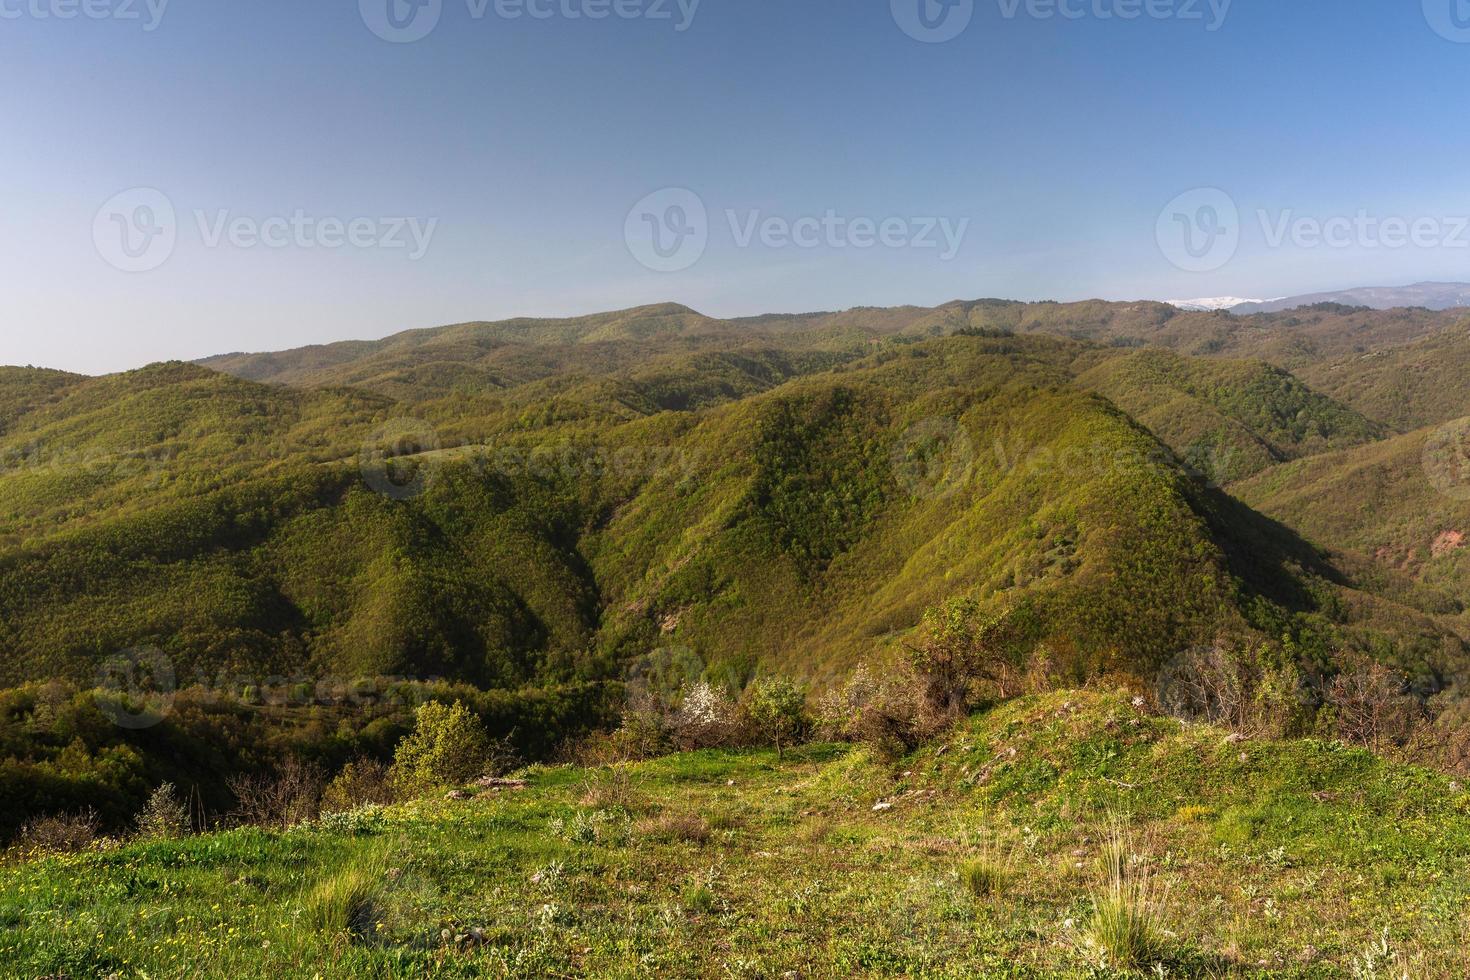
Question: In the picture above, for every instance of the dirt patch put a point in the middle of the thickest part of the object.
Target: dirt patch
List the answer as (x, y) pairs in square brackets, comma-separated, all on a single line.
[(1446, 542)]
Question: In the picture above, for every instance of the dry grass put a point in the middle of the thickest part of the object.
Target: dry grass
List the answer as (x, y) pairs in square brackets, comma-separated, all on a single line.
[(690, 828)]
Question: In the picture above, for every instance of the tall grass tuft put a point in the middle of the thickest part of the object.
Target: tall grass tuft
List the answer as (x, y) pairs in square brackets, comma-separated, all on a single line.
[(1126, 925), (349, 902), (987, 874)]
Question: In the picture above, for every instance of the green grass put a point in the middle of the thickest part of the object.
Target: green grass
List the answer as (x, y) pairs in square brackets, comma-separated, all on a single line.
[(1341, 850)]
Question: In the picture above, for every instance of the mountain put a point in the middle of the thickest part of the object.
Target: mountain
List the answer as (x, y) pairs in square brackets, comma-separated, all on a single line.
[(1428, 295), (1229, 419), (534, 501), (529, 515)]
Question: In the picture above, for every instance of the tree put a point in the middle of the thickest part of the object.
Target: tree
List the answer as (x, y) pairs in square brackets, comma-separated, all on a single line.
[(778, 709), (960, 645), (447, 746)]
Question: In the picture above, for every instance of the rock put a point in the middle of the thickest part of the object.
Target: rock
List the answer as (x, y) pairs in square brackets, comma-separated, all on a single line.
[(497, 782), (880, 806)]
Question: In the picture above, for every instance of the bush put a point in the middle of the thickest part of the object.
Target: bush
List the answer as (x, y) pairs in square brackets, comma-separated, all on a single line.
[(1249, 689), (706, 718), (983, 878), (61, 834), (289, 796), (164, 815), (777, 708), (1372, 705), (690, 828), (886, 714), (358, 784), (448, 746)]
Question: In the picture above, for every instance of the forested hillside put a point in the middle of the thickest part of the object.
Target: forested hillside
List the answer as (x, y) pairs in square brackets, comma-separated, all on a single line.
[(532, 507)]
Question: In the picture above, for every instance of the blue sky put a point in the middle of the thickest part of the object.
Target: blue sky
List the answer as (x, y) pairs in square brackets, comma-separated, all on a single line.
[(1048, 146)]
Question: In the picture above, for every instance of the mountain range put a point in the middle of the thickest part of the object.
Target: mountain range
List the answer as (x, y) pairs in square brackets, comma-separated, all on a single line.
[(1427, 295), (519, 502)]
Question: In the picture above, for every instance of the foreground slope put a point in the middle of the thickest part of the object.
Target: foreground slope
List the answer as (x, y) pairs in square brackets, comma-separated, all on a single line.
[(1304, 859)]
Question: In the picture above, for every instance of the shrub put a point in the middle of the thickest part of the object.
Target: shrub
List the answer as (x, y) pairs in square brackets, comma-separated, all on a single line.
[(613, 789), (363, 782), (1126, 924), (886, 714), (777, 708), (164, 815), (1372, 705), (62, 833), (1243, 688), (983, 878), (700, 898), (448, 746), (289, 796), (706, 718)]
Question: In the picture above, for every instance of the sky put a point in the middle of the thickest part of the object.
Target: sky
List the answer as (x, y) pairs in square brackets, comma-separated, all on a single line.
[(189, 177)]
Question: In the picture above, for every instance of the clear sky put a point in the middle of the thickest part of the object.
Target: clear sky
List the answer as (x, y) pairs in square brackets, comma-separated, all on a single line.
[(823, 158)]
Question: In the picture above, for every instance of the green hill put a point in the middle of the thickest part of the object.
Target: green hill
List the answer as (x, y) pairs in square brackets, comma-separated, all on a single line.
[(1231, 418), (1407, 387), (1400, 502), (539, 500)]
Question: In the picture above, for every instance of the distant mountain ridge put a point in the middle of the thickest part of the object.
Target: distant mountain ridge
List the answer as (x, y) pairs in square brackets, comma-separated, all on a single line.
[(1428, 295)]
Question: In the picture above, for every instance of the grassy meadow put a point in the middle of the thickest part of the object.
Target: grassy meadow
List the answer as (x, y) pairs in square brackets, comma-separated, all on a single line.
[(1000, 852)]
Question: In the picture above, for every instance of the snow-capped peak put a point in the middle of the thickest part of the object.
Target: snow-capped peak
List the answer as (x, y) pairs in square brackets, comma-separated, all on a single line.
[(1212, 303)]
